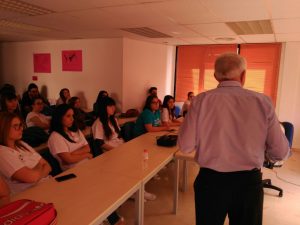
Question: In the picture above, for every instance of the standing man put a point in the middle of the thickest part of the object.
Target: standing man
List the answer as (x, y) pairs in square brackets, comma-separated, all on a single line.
[(231, 129)]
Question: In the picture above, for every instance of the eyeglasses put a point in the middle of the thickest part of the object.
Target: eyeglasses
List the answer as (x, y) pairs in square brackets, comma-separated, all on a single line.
[(18, 126)]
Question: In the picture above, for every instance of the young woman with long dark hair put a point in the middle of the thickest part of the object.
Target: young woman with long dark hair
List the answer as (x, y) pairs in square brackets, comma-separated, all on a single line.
[(168, 117), (106, 128), (66, 142)]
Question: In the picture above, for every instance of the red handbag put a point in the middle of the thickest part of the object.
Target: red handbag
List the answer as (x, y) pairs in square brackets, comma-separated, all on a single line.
[(28, 212)]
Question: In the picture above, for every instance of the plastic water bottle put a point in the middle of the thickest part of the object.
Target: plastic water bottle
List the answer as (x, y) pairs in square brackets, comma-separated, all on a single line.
[(146, 155)]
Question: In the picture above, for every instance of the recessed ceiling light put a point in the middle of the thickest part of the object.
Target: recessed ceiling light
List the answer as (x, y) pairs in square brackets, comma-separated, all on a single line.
[(23, 8), (224, 39)]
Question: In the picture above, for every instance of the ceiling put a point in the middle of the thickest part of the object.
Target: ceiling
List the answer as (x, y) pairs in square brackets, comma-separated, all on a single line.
[(184, 21)]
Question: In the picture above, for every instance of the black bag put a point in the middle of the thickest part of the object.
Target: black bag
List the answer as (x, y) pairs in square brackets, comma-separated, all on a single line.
[(167, 140), (35, 136)]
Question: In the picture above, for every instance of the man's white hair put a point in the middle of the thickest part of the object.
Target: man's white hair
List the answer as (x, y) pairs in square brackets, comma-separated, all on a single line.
[(229, 66)]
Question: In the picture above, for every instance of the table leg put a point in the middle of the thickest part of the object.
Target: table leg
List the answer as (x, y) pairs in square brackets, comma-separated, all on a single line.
[(138, 207), (185, 176), (176, 186)]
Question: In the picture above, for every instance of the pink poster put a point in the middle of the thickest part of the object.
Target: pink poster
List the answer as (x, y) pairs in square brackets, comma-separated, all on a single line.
[(42, 63), (72, 60)]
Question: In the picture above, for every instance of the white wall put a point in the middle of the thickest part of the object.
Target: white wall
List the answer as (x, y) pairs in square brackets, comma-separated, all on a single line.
[(144, 65), (102, 67), (125, 68), (288, 106)]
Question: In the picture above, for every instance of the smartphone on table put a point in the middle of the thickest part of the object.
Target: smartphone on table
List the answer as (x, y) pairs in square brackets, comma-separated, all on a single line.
[(65, 177)]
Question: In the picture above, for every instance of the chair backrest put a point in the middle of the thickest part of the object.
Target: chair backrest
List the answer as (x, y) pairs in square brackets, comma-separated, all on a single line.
[(177, 111), (127, 131), (289, 132)]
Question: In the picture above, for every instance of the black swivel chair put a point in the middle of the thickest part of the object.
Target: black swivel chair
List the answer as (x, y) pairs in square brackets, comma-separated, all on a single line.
[(289, 133)]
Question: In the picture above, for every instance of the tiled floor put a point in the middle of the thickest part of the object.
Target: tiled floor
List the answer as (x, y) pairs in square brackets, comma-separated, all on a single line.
[(277, 211)]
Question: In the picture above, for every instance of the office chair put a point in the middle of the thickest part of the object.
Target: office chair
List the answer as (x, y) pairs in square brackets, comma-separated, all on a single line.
[(289, 133), (177, 111)]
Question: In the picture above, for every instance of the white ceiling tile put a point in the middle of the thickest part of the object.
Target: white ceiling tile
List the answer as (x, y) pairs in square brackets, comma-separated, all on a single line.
[(198, 40), (259, 38), (238, 10), (284, 9), (212, 29), (287, 37), (185, 12), (286, 25), (137, 16)]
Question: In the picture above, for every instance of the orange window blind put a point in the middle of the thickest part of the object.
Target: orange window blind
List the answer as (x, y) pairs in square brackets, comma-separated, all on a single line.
[(262, 67), (195, 68)]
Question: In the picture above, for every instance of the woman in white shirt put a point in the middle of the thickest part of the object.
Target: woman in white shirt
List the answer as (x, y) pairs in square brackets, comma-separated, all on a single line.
[(105, 128), (35, 117), (69, 146), (64, 96), (168, 112), (66, 142), (187, 103), (20, 165)]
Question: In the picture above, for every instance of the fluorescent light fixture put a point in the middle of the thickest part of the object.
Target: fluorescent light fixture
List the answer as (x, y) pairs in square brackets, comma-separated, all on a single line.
[(23, 8), (21, 26)]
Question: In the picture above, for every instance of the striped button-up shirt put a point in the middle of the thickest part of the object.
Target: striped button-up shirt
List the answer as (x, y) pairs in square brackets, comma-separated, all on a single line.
[(232, 129)]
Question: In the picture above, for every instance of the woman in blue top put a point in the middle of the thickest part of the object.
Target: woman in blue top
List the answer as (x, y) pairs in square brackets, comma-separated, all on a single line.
[(149, 120)]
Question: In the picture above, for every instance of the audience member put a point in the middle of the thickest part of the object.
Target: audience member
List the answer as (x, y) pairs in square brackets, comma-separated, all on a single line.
[(20, 165), (35, 117), (96, 106), (64, 96), (149, 120), (105, 129), (168, 117), (187, 103), (26, 102), (69, 146)]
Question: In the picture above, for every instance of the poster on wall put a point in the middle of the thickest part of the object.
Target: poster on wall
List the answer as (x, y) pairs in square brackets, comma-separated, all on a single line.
[(42, 63), (72, 60)]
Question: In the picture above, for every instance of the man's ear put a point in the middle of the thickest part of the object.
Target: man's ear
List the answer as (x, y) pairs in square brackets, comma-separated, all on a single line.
[(243, 77)]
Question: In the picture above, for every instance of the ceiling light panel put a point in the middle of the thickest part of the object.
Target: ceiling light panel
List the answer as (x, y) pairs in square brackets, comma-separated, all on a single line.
[(21, 26), (23, 8), (146, 32), (251, 27)]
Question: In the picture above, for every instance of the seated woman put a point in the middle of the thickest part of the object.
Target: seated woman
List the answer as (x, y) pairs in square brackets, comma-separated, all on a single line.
[(9, 103), (66, 142), (82, 119), (20, 165), (69, 146), (102, 94), (187, 103), (35, 117), (149, 120), (168, 112), (105, 128), (4, 192), (64, 96)]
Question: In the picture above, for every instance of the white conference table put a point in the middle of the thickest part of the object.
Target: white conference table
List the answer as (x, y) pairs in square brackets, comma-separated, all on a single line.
[(105, 182)]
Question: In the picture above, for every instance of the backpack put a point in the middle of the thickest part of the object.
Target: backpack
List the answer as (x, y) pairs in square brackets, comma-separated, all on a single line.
[(167, 140), (28, 212), (35, 136)]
